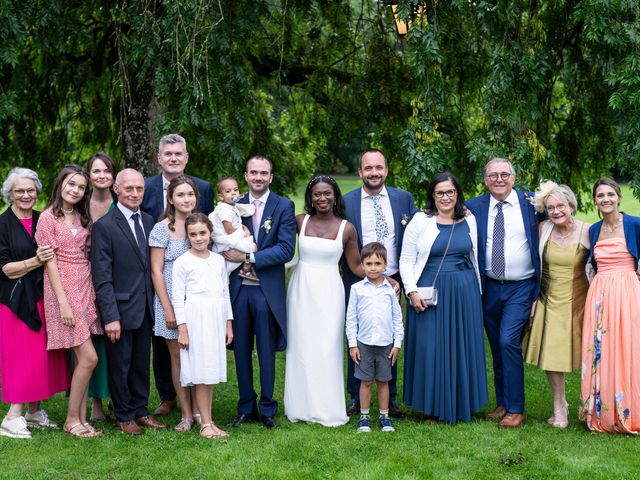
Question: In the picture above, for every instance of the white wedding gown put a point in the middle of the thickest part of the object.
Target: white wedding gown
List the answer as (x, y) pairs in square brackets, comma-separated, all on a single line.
[(314, 378)]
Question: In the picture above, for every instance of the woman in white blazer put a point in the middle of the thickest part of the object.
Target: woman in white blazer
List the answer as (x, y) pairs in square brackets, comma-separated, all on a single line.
[(444, 372)]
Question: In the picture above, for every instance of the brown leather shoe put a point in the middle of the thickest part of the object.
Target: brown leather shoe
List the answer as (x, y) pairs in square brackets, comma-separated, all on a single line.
[(130, 427), (150, 422), (512, 420), (165, 408), (496, 414)]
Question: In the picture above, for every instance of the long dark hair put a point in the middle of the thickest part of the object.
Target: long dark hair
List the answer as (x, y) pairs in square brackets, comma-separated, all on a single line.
[(170, 211), (459, 209), (338, 204), (82, 207)]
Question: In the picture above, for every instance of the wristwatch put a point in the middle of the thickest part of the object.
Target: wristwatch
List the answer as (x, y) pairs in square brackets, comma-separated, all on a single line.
[(248, 258)]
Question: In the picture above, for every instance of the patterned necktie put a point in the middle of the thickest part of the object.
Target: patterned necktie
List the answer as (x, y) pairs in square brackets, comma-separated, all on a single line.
[(140, 238), (256, 217), (497, 250), (382, 229)]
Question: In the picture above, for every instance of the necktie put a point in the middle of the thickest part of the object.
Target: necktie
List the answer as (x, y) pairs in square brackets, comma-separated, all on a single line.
[(497, 250), (141, 239), (382, 230), (256, 217)]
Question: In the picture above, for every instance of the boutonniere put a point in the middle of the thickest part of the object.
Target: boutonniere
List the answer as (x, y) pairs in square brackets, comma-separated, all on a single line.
[(404, 220), (530, 198), (267, 225)]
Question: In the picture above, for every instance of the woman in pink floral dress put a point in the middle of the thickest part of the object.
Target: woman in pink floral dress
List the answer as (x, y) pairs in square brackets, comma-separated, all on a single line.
[(69, 299), (610, 386)]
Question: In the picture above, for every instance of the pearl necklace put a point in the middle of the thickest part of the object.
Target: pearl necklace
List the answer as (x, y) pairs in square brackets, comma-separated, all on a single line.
[(67, 211)]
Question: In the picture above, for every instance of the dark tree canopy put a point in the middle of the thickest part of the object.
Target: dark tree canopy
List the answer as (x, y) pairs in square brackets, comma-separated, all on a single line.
[(554, 86)]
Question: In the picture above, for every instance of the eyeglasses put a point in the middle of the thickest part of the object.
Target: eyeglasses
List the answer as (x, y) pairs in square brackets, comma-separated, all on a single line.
[(560, 208), (503, 176), (20, 192), (448, 193)]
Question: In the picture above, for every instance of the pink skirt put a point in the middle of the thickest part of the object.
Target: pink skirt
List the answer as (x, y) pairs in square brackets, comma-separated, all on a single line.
[(28, 372)]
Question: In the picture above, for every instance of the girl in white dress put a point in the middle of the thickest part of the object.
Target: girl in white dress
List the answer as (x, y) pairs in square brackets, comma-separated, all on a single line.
[(202, 307)]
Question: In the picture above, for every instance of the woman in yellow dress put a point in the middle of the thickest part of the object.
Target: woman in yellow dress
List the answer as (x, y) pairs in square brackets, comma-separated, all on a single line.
[(553, 343)]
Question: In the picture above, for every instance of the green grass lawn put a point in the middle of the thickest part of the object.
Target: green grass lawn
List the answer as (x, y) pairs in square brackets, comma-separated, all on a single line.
[(470, 450)]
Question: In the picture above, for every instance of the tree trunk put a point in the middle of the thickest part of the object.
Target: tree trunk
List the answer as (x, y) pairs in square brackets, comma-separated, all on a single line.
[(138, 147)]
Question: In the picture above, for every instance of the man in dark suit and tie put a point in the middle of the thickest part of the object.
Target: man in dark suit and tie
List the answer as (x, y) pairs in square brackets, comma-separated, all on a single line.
[(172, 158), (379, 213), (259, 309), (124, 294), (510, 269)]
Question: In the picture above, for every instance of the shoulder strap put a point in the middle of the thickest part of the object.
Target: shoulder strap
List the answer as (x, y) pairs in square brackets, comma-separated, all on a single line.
[(453, 226), (343, 224), (304, 224)]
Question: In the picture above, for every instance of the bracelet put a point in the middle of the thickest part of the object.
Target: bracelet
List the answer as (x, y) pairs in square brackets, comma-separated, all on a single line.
[(25, 264)]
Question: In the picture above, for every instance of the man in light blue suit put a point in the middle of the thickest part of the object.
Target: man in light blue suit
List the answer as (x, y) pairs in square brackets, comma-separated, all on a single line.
[(365, 208), (172, 158), (510, 268), (259, 309)]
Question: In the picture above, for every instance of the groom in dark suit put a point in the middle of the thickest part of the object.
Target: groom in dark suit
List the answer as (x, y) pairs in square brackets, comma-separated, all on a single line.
[(396, 207), (124, 294), (259, 309), (172, 158), (510, 268)]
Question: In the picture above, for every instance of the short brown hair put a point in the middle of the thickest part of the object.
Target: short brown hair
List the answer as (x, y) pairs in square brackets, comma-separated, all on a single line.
[(373, 248), (197, 217)]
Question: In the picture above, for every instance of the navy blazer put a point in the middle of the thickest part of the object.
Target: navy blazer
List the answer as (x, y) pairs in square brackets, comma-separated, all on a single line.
[(153, 201), (403, 208), (479, 206), (631, 227), (275, 248), (121, 276)]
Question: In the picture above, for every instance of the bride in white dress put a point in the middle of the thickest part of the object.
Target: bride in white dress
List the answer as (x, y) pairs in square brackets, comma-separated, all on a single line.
[(314, 378)]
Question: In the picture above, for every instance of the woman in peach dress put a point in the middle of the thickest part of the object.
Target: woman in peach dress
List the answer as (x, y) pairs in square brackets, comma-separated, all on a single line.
[(610, 385)]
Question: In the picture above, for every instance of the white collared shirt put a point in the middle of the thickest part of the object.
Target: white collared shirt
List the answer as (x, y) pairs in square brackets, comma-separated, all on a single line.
[(128, 214), (374, 316), (517, 256), (368, 225)]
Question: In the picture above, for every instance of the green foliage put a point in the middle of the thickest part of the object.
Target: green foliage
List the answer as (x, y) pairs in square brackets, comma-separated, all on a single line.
[(554, 86)]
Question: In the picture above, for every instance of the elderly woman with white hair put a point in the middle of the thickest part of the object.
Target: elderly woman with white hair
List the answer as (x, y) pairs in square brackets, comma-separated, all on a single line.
[(29, 372), (553, 343)]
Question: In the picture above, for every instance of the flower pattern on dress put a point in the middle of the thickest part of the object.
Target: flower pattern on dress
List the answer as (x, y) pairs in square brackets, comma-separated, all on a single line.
[(594, 401)]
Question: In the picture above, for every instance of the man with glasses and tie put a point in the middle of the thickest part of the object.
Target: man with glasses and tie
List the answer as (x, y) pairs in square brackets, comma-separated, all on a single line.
[(124, 294), (379, 213), (172, 158), (510, 269)]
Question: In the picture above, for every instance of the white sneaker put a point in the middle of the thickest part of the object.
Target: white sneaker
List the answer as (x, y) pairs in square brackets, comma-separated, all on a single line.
[(40, 419), (16, 428)]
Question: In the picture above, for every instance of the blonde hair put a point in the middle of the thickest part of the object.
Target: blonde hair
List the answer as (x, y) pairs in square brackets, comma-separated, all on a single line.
[(548, 188)]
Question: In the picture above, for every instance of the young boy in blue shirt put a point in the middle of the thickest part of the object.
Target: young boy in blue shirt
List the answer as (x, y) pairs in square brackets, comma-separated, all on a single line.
[(374, 331)]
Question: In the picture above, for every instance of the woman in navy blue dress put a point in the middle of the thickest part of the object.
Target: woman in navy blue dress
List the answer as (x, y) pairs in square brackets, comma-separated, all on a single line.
[(444, 372)]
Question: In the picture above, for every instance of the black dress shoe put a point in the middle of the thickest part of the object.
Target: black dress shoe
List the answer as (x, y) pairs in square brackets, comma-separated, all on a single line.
[(269, 422), (354, 407), (243, 418), (395, 411)]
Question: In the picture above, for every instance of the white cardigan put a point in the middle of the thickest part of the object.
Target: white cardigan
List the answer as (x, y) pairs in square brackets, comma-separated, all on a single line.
[(419, 237)]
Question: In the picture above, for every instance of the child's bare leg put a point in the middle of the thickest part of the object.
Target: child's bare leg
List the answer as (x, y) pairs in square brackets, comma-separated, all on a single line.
[(183, 393), (383, 395), (365, 394)]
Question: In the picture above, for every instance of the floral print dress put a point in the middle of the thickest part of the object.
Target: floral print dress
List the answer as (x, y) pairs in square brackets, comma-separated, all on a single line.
[(610, 380)]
